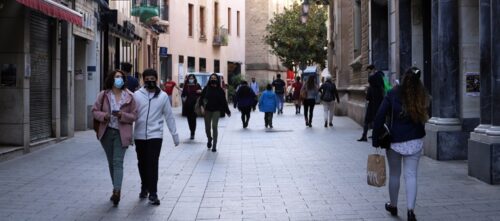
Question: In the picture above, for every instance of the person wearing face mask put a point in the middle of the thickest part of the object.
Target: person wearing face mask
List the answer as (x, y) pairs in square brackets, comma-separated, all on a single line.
[(153, 110), (190, 93), (213, 98), (116, 110)]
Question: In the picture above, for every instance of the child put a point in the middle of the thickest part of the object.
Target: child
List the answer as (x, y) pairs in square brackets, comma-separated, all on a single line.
[(267, 104)]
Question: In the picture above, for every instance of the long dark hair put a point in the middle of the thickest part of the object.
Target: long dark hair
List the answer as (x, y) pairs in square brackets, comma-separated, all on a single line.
[(414, 96), (186, 81), (110, 80), (310, 84)]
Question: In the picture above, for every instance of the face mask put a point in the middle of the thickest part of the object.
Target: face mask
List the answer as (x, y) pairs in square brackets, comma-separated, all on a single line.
[(150, 84), (191, 81), (119, 82), (213, 81)]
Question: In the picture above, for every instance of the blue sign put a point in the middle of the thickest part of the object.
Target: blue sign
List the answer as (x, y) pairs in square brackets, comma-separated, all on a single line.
[(163, 52)]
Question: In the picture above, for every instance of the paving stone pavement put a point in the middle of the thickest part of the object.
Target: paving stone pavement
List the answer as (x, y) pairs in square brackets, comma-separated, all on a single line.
[(288, 173)]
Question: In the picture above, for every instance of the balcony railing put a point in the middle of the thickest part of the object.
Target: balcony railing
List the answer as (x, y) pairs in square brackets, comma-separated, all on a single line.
[(220, 37), (145, 9)]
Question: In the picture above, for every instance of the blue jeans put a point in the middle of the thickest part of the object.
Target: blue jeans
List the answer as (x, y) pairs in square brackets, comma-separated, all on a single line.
[(410, 166), (112, 145), (281, 101)]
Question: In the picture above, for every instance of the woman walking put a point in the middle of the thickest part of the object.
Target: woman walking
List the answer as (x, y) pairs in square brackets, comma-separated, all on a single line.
[(245, 100), (309, 92), (296, 87), (267, 104), (190, 94), (329, 93), (116, 110), (214, 101), (407, 104)]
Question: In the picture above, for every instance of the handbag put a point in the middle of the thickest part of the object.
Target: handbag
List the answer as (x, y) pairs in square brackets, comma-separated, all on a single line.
[(375, 170), (97, 123), (303, 94), (199, 107)]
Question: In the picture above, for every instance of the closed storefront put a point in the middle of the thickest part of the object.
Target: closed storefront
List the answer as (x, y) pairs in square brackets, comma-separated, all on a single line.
[(41, 77)]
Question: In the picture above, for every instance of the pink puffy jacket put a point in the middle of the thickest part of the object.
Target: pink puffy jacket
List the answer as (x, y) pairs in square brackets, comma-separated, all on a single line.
[(129, 115)]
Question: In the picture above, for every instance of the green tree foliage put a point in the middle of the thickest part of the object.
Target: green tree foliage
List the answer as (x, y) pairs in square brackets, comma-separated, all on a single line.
[(297, 43)]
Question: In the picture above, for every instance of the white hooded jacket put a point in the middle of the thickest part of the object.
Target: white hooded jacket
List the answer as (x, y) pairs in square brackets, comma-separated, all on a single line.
[(152, 110)]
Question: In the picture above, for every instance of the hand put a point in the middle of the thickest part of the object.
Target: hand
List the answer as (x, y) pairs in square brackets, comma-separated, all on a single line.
[(176, 139), (117, 114), (106, 117), (198, 91)]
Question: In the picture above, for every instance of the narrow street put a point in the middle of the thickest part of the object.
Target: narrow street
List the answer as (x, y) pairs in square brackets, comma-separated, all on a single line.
[(287, 173)]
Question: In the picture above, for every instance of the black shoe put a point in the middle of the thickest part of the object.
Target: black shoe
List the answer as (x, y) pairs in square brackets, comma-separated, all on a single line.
[(330, 124), (307, 124), (392, 209), (209, 143), (310, 125), (362, 139), (214, 149), (191, 137), (411, 216), (326, 124), (143, 194), (266, 126), (115, 197), (153, 199), (271, 126)]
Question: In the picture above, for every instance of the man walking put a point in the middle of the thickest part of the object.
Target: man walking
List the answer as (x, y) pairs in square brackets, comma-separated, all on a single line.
[(279, 90), (169, 86), (132, 82), (153, 108), (374, 97)]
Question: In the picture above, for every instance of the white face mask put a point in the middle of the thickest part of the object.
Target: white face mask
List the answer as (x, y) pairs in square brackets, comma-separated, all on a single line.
[(191, 81)]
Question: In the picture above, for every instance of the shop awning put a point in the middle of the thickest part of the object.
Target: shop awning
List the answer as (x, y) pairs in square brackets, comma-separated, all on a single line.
[(54, 9)]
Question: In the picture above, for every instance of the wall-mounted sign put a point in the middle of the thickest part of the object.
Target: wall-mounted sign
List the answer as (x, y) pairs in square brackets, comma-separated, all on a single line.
[(163, 52), (472, 84)]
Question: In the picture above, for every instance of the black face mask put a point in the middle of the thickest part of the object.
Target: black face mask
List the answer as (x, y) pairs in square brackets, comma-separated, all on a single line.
[(150, 84), (213, 82)]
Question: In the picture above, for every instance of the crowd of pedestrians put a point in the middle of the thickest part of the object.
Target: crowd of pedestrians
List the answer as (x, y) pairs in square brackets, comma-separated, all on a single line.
[(124, 117)]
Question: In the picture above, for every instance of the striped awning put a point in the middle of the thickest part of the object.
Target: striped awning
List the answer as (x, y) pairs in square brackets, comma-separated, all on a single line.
[(54, 9)]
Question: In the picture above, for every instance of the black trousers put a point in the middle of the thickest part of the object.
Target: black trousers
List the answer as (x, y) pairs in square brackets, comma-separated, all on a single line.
[(245, 114), (191, 117), (268, 118), (148, 154), (309, 109)]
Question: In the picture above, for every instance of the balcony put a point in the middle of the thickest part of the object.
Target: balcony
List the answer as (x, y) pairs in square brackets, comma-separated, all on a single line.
[(145, 10), (220, 37)]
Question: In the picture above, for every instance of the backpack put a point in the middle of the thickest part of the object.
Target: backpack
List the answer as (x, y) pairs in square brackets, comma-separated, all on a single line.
[(327, 94)]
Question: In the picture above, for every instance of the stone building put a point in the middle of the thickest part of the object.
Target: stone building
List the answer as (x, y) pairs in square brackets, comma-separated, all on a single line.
[(260, 62), (455, 44)]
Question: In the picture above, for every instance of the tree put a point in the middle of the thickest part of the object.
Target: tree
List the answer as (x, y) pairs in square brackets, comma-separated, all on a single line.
[(295, 43)]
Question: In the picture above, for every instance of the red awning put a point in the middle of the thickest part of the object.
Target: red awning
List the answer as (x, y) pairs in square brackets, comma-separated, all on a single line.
[(54, 9)]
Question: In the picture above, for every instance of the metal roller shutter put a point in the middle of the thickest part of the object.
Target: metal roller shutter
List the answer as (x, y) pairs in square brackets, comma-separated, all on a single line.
[(41, 78)]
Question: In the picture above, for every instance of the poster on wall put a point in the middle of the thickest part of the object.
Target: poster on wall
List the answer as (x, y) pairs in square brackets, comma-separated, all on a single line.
[(472, 84)]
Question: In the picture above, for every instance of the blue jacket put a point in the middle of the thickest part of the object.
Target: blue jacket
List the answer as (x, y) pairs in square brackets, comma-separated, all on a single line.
[(403, 128), (268, 102)]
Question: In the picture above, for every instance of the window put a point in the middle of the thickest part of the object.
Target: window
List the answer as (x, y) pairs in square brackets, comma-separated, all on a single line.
[(190, 21), (202, 23), (216, 66), (203, 65), (238, 23), (357, 28), (164, 10), (228, 20), (191, 64), (216, 15), (181, 59)]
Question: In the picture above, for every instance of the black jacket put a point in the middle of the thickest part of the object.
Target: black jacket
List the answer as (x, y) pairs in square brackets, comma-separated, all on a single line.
[(214, 99), (402, 128), (374, 96), (329, 86)]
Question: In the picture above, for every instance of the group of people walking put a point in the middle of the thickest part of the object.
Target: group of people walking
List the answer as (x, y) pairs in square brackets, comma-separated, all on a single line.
[(125, 117)]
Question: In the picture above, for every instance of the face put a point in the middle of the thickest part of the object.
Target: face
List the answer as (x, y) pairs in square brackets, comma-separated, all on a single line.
[(213, 77), (253, 79)]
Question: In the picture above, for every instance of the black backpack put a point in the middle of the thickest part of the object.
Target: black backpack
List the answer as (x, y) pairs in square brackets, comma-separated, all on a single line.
[(327, 93)]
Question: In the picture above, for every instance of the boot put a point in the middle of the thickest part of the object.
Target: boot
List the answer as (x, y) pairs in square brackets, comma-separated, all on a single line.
[(363, 138), (411, 215), (209, 143), (214, 148), (326, 124), (115, 197), (153, 199), (392, 209)]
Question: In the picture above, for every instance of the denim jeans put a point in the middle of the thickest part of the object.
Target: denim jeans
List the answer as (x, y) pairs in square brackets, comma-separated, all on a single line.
[(281, 101), (112, 145), (410, 166)]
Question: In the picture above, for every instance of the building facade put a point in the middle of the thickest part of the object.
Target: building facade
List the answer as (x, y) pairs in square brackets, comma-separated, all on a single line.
[(204, 36), (453, 42), (260, 62)]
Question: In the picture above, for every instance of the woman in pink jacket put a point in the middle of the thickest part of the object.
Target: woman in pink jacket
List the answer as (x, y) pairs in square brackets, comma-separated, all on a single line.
[(115, 110)]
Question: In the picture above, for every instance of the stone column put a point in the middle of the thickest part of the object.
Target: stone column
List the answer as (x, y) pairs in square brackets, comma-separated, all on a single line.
[(445, 139), (484, 144)]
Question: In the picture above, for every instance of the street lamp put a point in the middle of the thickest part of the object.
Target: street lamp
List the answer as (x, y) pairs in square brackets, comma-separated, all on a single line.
[(305, 11)]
